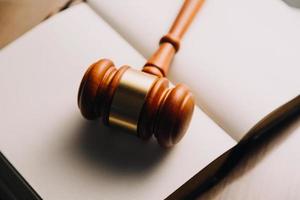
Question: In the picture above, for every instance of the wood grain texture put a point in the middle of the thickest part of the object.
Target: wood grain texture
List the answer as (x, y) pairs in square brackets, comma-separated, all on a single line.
[(166, 112), (94, 87), (159, 63), (174, 115)]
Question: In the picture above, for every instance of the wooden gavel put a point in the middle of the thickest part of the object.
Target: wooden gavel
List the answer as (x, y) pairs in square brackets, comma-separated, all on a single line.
[(141, 101)]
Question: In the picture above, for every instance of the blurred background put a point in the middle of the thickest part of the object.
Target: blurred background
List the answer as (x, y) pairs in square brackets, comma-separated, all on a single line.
[(19, 16)]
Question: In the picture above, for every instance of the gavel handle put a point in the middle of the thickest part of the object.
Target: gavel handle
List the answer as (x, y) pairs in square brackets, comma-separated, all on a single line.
[(159, 62)]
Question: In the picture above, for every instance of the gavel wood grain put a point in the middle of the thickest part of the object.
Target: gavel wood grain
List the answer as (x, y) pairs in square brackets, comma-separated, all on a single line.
[(141, 101)]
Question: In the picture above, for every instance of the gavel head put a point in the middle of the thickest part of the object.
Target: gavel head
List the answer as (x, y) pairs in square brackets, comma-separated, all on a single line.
[(138, 101)]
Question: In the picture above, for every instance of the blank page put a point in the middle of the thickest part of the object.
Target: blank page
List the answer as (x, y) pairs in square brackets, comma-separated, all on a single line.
[(240, 58), (58, 152)]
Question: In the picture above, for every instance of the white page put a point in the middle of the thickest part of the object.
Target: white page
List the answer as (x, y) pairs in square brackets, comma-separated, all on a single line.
[(240, 58), (58, 152), (272, 173)]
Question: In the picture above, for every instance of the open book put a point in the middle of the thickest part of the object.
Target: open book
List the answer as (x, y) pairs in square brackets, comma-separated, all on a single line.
[(236, 78)]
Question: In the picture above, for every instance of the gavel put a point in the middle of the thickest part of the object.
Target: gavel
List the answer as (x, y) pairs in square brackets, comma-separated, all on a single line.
[(141, 101)]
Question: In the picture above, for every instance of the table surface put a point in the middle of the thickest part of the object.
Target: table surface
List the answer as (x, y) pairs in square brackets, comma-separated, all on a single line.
[(33, 12), (19, 16)]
